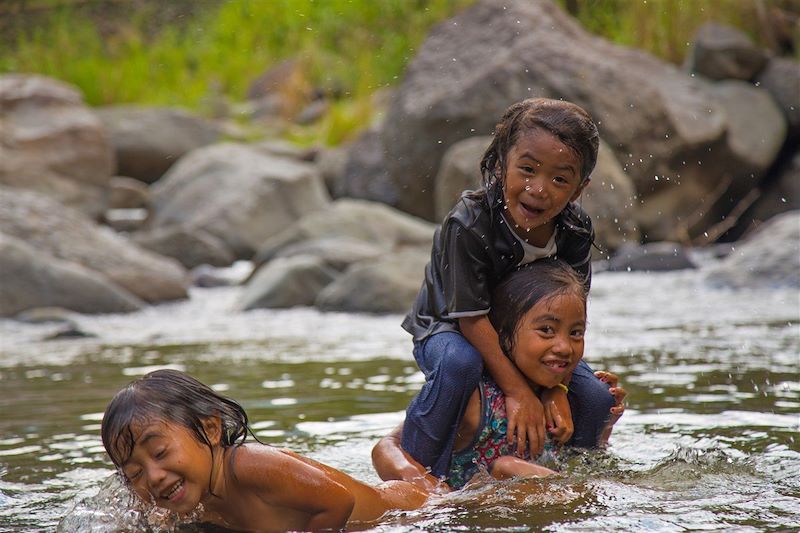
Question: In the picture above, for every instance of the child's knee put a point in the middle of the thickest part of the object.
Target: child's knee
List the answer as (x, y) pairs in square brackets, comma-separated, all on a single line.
[(465, 366)]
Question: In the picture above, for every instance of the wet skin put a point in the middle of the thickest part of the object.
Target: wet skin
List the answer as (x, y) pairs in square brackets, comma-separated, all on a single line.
[(542, 176), (272, 489)]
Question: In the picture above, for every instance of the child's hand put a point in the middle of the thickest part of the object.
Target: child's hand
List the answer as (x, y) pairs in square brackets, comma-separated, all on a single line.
[(558, 414), (619, 394), (526, 422)]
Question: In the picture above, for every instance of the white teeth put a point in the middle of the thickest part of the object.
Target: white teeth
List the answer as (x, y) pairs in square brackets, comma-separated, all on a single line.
[(172, 492)]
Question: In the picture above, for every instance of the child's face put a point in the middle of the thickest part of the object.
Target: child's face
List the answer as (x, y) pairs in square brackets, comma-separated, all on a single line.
[(542, 176), (549, 339), (169, 466)]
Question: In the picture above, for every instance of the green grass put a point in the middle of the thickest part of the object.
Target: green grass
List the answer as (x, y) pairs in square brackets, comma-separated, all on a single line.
[(345, 48), (666, 28)]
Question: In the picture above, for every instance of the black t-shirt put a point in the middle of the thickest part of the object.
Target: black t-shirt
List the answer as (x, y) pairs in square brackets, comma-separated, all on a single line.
[(473, 250)]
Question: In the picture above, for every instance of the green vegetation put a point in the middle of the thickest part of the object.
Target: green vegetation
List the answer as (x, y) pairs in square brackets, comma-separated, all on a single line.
[(345, 48), (202, 53), (666, 28)]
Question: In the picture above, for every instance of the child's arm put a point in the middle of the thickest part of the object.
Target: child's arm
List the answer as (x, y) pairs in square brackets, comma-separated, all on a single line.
[(392, 462), (523, 408), (282, 479)]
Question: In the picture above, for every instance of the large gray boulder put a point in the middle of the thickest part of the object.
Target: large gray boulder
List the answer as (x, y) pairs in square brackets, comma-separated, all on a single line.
[(363, 173), (336, 252), (781, 78), (30, 278), (237, 194), (148, 140), (387, 285), (780, 195), (755, 134), (191, 247), (52, 143), (287, 282), (769, 257), (720, 52), (665, 127), (460, 170), (69, 235), (756, 127), (362, 220), (610, 199), (128, 193)]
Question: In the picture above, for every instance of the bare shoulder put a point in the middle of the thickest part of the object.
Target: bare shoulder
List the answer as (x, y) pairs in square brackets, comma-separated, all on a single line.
[(261, 465)]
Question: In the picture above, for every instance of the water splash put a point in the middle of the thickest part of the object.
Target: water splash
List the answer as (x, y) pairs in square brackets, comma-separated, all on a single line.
[(115, 509)]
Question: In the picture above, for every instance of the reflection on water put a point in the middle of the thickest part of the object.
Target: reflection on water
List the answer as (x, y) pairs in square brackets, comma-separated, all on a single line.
[(709, 440)]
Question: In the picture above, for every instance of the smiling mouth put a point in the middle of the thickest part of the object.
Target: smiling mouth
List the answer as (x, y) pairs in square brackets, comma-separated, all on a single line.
[(173, 491), (556, 365), (530, 212)]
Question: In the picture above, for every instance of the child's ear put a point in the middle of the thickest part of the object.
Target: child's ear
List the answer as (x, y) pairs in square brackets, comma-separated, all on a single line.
[(212, 426), (580, 189)]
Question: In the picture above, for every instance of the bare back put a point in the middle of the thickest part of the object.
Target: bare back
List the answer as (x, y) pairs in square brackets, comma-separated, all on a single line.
[(272, 489)]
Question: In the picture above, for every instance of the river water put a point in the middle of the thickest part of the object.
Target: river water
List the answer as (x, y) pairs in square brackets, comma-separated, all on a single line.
[(709, 440)]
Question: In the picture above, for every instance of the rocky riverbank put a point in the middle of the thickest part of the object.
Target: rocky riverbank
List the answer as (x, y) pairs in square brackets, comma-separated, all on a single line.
[(109, 210)]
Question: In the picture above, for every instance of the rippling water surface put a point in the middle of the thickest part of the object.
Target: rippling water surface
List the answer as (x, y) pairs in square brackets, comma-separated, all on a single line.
[(709, 440)]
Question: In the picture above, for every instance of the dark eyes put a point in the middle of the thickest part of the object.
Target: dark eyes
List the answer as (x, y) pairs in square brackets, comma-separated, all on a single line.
[(576, 334), (133, 476)]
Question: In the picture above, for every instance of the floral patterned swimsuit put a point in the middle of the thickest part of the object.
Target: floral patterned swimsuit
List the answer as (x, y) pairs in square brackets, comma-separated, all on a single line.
[(490, 441)]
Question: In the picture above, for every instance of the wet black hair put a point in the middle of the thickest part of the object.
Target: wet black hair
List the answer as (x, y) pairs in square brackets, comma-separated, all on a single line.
[(170, 396), (524, 288), (568, 122)]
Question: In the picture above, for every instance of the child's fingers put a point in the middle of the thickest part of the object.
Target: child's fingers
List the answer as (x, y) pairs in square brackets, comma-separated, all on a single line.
[(607, 377), (550, 416), (619, 398), (556, 425), (512, 428), (619, 393), (536, 436)]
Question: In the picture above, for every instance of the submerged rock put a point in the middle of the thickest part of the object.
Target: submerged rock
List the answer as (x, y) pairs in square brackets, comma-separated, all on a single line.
[(769, 257)]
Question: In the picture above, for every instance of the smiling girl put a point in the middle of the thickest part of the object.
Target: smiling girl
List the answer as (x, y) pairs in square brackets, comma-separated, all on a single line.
[(181, 446), (540, 317)]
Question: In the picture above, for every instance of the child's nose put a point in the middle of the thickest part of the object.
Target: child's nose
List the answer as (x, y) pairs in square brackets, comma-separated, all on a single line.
[(535, 186), (154, 475), (562, 346)]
